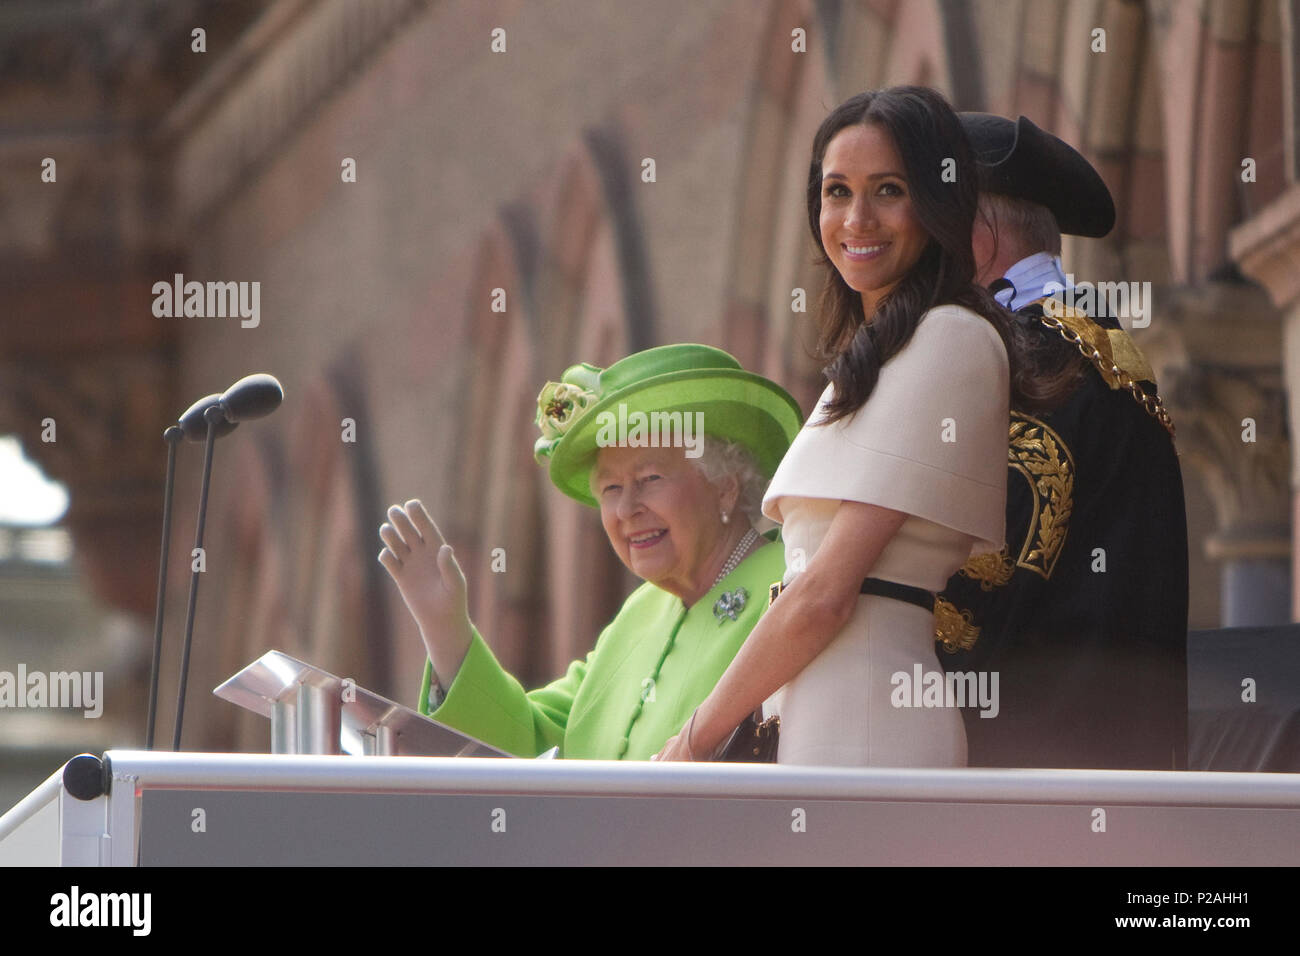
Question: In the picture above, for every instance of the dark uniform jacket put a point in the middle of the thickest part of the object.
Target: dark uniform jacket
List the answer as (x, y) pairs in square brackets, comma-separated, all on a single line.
[(1084, 614)]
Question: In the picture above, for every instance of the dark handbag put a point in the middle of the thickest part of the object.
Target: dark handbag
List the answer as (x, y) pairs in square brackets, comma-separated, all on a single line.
[(754, 741)]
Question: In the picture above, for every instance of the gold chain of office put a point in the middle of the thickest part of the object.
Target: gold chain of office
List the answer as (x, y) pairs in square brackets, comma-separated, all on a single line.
[(1152, 403)]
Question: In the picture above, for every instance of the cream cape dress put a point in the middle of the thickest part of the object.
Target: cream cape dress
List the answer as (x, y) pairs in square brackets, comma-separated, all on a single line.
[(931, 441)]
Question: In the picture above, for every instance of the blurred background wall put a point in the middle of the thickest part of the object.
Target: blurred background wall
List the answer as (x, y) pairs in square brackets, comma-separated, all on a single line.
[(502, 145)]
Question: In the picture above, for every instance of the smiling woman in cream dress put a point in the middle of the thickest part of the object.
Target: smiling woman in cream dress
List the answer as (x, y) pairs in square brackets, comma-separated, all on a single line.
[(900, 473), (918, 447)]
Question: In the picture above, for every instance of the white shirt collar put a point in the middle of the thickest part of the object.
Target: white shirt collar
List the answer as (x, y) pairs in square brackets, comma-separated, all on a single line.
[(1031, 278)]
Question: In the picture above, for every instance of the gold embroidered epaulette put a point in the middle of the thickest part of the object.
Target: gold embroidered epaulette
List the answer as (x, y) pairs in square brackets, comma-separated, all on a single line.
[(1112, 352)]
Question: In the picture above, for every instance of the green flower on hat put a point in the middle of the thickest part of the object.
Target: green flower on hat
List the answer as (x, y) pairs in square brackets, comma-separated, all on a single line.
[(560, 404), (558, 407)]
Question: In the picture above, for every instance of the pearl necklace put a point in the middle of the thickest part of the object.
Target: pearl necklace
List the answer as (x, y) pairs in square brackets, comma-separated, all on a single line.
[(737, 554)]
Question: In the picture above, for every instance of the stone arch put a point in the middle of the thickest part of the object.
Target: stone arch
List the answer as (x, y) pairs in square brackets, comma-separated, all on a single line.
[(486, 334), (773, 252), (509, 570), (592, 266), (253, 591), (586, 581), (506, 590), (873, 43), (575, 212), (329, 580), (1231, 108), (592, 305)]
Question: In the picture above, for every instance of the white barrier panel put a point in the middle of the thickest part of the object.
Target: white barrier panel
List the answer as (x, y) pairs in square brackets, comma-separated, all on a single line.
[(29, 833), (242, 809)]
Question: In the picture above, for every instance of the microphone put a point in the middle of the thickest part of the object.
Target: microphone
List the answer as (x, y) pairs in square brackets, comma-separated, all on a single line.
[(253, 396), (191, 427), (172, 436)]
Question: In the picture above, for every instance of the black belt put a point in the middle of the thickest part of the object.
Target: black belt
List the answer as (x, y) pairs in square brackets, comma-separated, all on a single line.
[(891, 589)]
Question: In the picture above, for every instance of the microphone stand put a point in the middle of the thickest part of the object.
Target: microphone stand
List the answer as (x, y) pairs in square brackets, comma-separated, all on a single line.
[(212, 416), (172, 436)]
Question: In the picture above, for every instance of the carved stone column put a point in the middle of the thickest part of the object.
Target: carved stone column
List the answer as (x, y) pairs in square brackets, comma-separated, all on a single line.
[(1267, 248), (1216, 357)]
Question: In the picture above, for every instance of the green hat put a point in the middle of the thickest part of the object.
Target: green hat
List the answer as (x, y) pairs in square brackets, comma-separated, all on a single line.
[(590, 408)]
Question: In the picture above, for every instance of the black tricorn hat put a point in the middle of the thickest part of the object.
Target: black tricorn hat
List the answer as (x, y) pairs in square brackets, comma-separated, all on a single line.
[(1019, 159)]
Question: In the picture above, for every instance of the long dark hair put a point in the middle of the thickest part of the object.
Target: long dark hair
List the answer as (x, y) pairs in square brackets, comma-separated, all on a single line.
[(927, 133)]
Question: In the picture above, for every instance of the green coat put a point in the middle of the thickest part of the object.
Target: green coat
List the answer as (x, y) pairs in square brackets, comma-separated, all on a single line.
[(651, 667)]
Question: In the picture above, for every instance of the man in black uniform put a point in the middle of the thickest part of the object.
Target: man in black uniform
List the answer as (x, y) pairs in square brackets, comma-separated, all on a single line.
[(1084, 614)]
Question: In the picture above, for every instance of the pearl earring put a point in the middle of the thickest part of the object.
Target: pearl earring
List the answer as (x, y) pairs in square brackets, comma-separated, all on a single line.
[(725, 517)]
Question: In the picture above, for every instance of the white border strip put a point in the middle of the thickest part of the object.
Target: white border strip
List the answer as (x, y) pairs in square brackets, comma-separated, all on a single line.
[(169, 771)]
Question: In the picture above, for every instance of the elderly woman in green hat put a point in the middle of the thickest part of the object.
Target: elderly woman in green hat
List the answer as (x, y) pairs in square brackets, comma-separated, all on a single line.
[(674, 445)]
